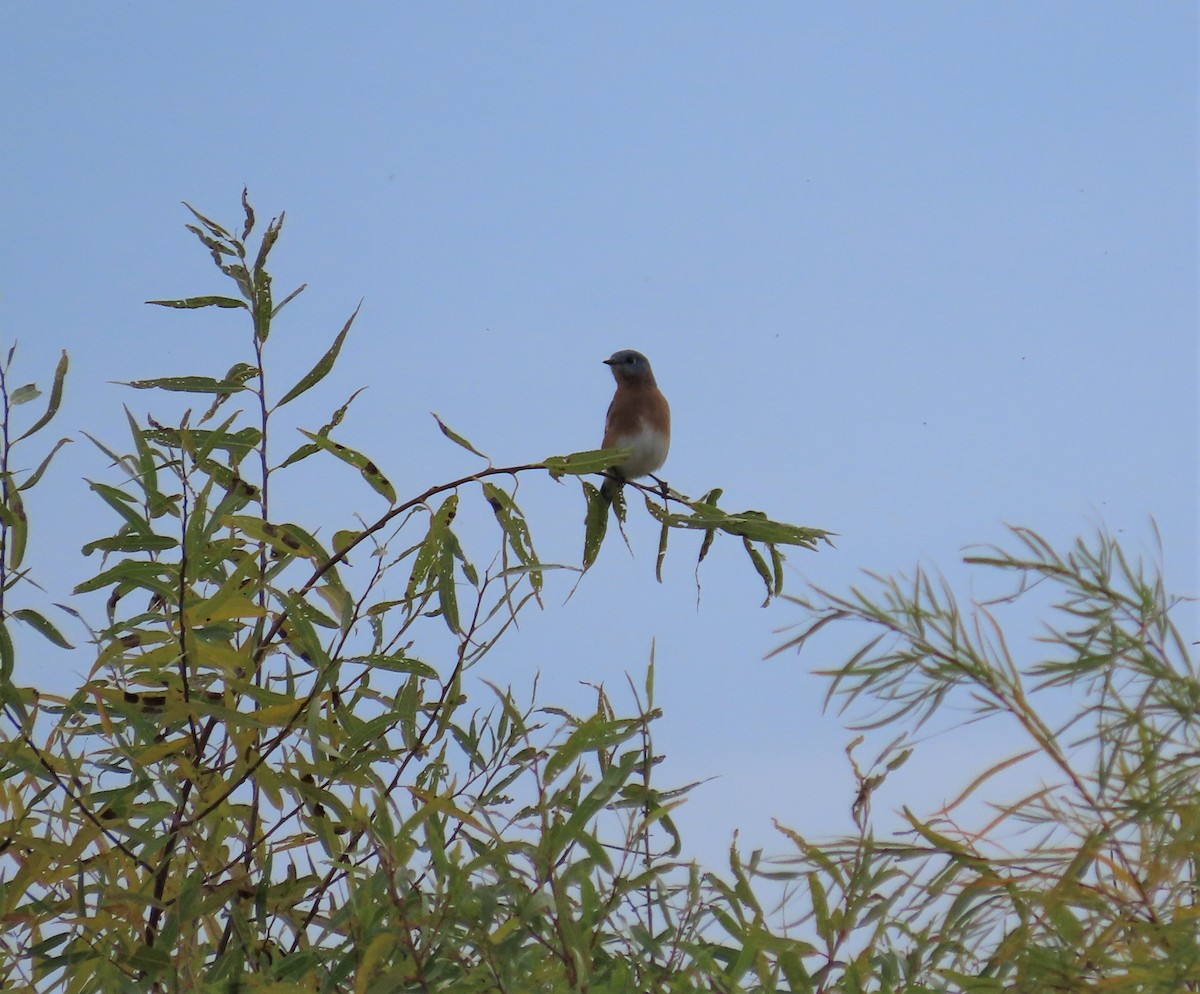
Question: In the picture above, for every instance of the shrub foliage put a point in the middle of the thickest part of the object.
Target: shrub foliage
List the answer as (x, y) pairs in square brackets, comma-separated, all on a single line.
[(261, 784)]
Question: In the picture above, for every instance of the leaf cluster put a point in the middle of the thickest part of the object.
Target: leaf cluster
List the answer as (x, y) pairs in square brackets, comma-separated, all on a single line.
[(285, 768), (263, 781), (1088, 880)]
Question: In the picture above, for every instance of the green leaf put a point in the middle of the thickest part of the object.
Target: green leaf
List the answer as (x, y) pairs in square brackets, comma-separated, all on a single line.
[(591, 461), (41, 625), (430, 549), (269, 238), (663, 536), (307, 449), (37, 473), (238, 444), (228, 478), (239, 372), (186, 384), (150, 961), (159, 577), (323, 366), (212, 226), (760, 564), (516, 530), (23, 395), (8, 657), (344, 538), (289, 539), (457, 438), (248, 211), (264, 307), (753, 525), (370, 472), (237, 273), (190, 303), (446, 589), (131, 543), (396, 663), (123, 504), (289, 298), (592, 803), (13, 515), (301, 635), (594, 734), (216, 246), (777, 559), (56, 392), (301, 453), (595, 524)]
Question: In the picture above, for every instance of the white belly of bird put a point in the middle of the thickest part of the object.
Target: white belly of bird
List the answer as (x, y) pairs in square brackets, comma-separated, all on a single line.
[(649, 452)]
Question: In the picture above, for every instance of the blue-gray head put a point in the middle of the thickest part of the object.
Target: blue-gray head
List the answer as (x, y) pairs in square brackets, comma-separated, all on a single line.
[(630, 366)]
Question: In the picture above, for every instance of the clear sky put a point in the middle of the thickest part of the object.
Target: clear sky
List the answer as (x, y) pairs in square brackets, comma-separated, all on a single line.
[(905, 271)]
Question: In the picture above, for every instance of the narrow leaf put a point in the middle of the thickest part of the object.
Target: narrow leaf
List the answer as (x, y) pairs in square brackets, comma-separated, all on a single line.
[(123, 504), (286, 538), (131, 543), (516, 530), (249, 212), (186, 384), (457, 438), (301, 453), (323, 366), (18, 523), (396, 663), (370, 472), (191, 303), (591, 461), (7, 660), (777, 559), (289, 298), (760, 564), (238, 444), (662, 550), (56, 392), (37, 473), (307, 449), (595, 524), (40, 624), (211, 225)]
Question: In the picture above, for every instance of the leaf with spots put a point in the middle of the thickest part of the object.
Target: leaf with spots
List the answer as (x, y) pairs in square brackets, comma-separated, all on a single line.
[(595, 523), (288, 539), (187, 384), (752, 525), (370, 472), (516, 530), (591, 461), (191, 303)]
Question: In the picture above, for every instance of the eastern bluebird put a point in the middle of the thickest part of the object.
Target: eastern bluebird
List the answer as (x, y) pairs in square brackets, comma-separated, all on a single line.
[(639, 418)]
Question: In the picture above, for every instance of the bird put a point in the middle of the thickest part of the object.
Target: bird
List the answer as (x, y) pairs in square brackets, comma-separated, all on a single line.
[(639, 418)]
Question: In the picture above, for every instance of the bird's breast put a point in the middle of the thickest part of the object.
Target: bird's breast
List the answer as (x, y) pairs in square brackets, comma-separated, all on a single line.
[(649, 452)]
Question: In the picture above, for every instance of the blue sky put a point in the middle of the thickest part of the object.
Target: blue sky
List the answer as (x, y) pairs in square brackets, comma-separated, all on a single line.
[(906, 272)]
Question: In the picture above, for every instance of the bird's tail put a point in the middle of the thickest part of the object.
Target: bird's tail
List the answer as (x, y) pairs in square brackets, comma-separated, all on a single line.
[(610, 488)]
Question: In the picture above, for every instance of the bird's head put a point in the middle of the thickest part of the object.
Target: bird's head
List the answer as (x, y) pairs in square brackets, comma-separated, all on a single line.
[(630, 367)]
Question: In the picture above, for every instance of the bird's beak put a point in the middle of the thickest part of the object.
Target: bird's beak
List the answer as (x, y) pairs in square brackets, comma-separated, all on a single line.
[(608, 362)]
